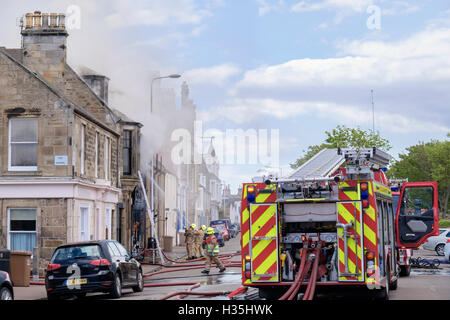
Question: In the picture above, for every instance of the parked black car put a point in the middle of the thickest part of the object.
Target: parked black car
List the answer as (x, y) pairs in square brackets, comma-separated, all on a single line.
[(94, 266), (6, 287)]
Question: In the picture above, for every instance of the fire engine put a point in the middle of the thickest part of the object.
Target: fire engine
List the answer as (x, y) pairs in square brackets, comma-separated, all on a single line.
[(330, 225), (404, 254)]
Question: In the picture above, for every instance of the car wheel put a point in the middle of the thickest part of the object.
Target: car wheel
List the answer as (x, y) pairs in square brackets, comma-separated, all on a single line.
[(6, 294), (405, 271), (81, 295), (116, 291), (52, 297), (440, 249), (140, 282)]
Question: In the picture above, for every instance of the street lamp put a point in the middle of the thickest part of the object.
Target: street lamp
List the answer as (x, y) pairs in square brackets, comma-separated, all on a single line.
[(172, 76)]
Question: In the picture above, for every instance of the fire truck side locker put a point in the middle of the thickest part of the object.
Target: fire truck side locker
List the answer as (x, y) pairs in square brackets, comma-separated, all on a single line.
[(264, 246)]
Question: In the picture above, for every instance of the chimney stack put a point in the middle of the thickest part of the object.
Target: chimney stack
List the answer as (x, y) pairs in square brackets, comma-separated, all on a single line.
[(44, 45)]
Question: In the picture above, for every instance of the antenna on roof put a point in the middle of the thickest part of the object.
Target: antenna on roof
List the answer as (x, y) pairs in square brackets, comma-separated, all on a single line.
[(373, 114)]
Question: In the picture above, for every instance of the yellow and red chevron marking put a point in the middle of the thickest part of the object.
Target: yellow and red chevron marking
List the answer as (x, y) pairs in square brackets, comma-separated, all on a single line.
[(245, 231), (245, 220), (369, 218), (350, 212), (264, 249)]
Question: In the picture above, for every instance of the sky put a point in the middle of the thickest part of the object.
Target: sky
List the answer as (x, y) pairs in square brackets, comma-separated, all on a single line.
[(300, 67)]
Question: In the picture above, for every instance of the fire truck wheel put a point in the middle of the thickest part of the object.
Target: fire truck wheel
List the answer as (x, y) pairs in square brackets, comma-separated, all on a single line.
[(405, 271), (383, 293), (393, 285), (271, 293)]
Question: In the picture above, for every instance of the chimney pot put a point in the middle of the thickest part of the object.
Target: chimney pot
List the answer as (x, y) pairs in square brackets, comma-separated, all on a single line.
[(37, 19), (28, 20), (62, 21), (53, 20), (45, 20)]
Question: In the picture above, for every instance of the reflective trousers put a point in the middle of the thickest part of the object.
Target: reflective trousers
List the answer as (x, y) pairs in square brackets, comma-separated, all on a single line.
[(211, 259)]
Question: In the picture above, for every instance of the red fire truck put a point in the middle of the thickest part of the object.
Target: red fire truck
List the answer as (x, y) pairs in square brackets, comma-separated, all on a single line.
[(404, 254), (332, 224)]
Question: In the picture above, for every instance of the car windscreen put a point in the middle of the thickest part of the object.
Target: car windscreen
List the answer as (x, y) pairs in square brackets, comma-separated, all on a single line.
[(90, 251), (220, 227)]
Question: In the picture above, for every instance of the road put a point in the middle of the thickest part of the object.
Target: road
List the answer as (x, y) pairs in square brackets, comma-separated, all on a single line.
[(424, 284), (420, 285)]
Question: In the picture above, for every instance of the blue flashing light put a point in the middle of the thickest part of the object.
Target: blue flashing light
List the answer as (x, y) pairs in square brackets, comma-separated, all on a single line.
[(364, 194)]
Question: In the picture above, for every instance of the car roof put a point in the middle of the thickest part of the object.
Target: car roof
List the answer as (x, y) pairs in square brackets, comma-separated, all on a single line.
[(84, 243)]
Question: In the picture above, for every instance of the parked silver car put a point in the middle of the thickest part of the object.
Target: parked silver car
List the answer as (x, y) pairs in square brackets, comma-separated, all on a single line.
[(437, 243), (447, 250)]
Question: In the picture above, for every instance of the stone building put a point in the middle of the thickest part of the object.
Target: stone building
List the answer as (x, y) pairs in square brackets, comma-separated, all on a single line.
[(131, 214), (175, 206), (59, 146), (231, 204)]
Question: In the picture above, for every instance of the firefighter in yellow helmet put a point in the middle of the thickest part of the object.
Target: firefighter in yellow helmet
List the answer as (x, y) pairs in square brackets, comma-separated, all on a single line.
[(198, 241), (212, 251), (190, 241)]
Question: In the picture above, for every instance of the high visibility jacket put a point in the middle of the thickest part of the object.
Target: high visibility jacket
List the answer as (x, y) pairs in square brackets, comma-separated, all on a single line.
[(212, 246)]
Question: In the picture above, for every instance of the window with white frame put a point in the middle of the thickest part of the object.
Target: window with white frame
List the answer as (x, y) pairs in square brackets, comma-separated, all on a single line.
[(23, 144), (107, 153), (202, 180), (212, 189), (83, 138), (200, 199), (96, 155), (22, 229), (84, 224)]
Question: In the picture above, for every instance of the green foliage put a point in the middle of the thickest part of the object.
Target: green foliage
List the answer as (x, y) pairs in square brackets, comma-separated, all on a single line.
[(444, 223), (426, 162), (343, 137)]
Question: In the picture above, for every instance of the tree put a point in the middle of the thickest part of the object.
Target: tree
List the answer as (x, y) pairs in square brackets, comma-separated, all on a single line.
[(343, 137), (426, 162)]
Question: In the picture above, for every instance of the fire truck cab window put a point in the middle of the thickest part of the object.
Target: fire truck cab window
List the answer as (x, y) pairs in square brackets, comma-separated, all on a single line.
[(417, 201)]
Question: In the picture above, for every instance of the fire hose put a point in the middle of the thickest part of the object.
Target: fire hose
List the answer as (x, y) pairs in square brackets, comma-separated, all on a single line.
[(222, 256), (301, 274), (309, 293), (298, 279), (424, 263)]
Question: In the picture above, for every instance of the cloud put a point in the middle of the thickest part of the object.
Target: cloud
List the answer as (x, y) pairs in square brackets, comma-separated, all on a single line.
[(155, 13), (216, 75), (347, 5), (344, 8), (351, 115), (268, 6), (410, 79)]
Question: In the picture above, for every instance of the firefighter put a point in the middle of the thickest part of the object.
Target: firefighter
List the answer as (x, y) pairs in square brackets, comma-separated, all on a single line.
[(212, 250), (190, 243), (198, 239)]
